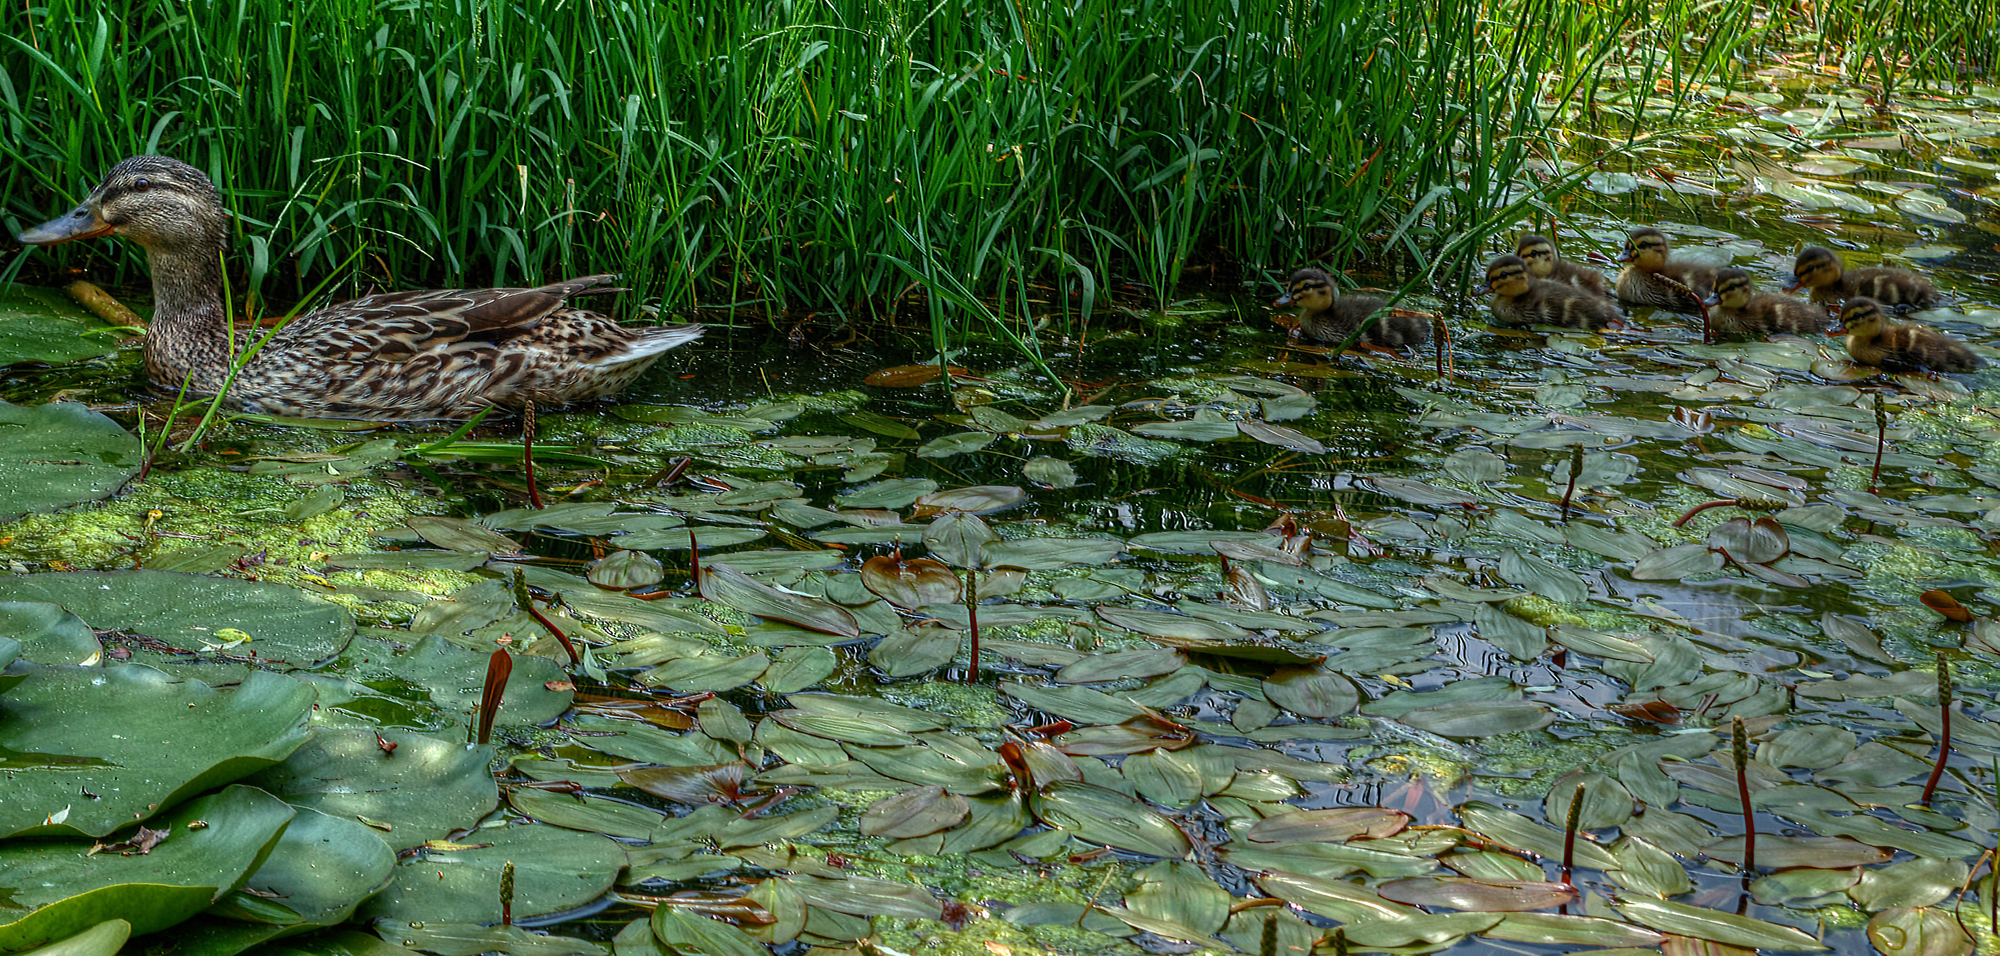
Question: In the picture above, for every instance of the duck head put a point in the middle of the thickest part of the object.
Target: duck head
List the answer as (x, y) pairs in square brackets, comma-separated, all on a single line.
[(1732, 289), (1539, 253), (1816, 266), (158, 202), (1309, 289), (1861, 317), (1647, 249), (1506, 276)]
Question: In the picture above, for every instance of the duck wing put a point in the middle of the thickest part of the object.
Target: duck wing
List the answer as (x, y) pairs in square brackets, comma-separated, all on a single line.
[(396, 327)]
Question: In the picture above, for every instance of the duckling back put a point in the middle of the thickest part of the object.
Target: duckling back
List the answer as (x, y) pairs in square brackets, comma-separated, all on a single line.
[(1325, 318), (1654, 278), (1901, 347), (1832, 283), (1553, 303), (1738, 309), (1539, 252)]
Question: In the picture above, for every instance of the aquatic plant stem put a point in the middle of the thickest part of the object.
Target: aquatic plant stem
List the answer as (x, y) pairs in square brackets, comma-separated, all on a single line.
[(1740, 750), (526, 602), (528, 453), (1575, 816), (1443, 337), (972, 618), (1944, 732), (1268, 944), (457, 433), (507, 894), (1575, 468), (499, 668), (1881, 442), (694, 559)]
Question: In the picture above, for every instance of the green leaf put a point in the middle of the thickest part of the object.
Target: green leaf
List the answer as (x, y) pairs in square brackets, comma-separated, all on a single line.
[(1714, 925), (732, 588), (48, 634), (321, 869), (421, 790), (56, 455), (1098, 815), (104, 939), (554, 870)]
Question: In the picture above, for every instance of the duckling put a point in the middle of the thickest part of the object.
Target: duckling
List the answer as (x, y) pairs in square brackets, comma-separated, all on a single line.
[(1521, 299), (1324, 317), (1739, 309), (1542, 259), (1651, 270), (1822, 270), (1873, 339)]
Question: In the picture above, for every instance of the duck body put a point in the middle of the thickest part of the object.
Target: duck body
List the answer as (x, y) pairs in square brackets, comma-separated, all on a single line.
[(1652, 277), (1738, 309), (1873, 339), (1522, 300), (399, 356), (1539, 252), (1325, 317), (1832, 283)]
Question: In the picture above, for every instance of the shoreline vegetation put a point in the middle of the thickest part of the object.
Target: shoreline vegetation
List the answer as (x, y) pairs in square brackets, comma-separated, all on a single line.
[(1037, 160)]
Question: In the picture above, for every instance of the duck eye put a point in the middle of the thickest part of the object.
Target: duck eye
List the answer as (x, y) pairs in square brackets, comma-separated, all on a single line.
[(141, 186)]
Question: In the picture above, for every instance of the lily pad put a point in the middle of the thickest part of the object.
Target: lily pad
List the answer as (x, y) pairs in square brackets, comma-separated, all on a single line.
[(56, 455), (415, 788), (321, 869), (554, 870)]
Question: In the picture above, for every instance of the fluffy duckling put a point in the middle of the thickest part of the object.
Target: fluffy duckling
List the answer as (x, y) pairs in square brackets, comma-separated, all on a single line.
[(1651, 271), (1822, 270), (1325, 316), (1521, 299), (1545, 263), (1737, 308), (1873, 339)]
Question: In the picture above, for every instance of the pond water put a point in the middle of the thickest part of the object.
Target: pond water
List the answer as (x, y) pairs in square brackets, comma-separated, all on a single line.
[(1227, 580)]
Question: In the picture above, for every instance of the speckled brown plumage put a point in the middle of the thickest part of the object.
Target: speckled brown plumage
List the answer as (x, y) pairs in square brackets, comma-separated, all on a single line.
[(1521, 299), (399, 356), (1326, 317), (1736, 308), (1832, 283), (1873, 339), (1545, 263), (1649, 258)]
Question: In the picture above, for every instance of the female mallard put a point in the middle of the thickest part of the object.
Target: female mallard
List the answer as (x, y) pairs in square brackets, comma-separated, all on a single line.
[(1872, 339), (1544, 263), (1521, 299), (1653, 277), (399, 356), (1821, 270), (1737, 308), (1327, 318)]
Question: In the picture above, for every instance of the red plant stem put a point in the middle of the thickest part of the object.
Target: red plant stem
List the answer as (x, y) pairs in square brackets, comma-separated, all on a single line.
[(972, 616), (1569, 833), (1741, 750), (1944, 733), (499, 668), (1881, 441), (694, 559), (528, 453), (1575, 468), (526, 602), (1704, 506), (507, 894), (1443, 345)]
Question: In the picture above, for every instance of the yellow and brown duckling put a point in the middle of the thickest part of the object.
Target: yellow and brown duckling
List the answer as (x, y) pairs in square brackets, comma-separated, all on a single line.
[(1875, 339), (1652, 276), (399, 356), (1826, 274), (1327, 316), (1521, 299), (1539, 252), (1737, 308)]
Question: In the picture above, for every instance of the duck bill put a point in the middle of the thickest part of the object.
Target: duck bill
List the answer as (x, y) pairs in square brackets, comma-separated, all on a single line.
[(1794, 284), (1837, 330), (1626, 256), (79, 223), (1282, 301), (1482, 288), (1711, 300)]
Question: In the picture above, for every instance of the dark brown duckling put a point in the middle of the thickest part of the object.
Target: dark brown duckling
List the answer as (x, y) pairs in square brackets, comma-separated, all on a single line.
[(1737, 308), (1521, 299), (1826, 274), (1326, 316), (1874, 339), (1545, 263), (1651, 273)]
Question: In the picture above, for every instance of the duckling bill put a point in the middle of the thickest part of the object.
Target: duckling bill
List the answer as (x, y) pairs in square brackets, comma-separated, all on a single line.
[(399, 356), (1521, 299), (1326, 316), (1738, 309), (1539, 252), (1652, 276), (1874, 339), (1826, 274)]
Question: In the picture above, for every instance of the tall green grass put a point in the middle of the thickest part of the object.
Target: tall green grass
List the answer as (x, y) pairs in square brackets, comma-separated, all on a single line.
[(1024, 162)]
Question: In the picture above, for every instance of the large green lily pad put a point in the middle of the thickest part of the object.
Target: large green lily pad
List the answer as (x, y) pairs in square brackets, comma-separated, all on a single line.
[(209, 846), (554, 870), (44, 325), (323, 867), (456, 677), (287, 628), (56, 455), (49, 634), (421, 790), (104, 746)]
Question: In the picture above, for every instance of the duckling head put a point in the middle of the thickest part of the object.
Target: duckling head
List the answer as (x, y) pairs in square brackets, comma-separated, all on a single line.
[(1538, 252), (1309, 289), (1646, 248), (1732, 289), (1861, 317), (1506, 276), (158, 202), (1816, 266)]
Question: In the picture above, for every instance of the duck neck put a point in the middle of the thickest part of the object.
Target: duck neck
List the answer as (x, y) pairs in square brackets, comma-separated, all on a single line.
[(188, 333)]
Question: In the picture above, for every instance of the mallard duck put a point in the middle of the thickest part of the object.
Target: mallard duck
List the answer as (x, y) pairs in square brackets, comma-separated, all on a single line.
[(1737, 308), (398, 356), (1327, 317), (1823, 271), (1651, 271), (1521, 299), (1545, 263), (1874, 339)]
